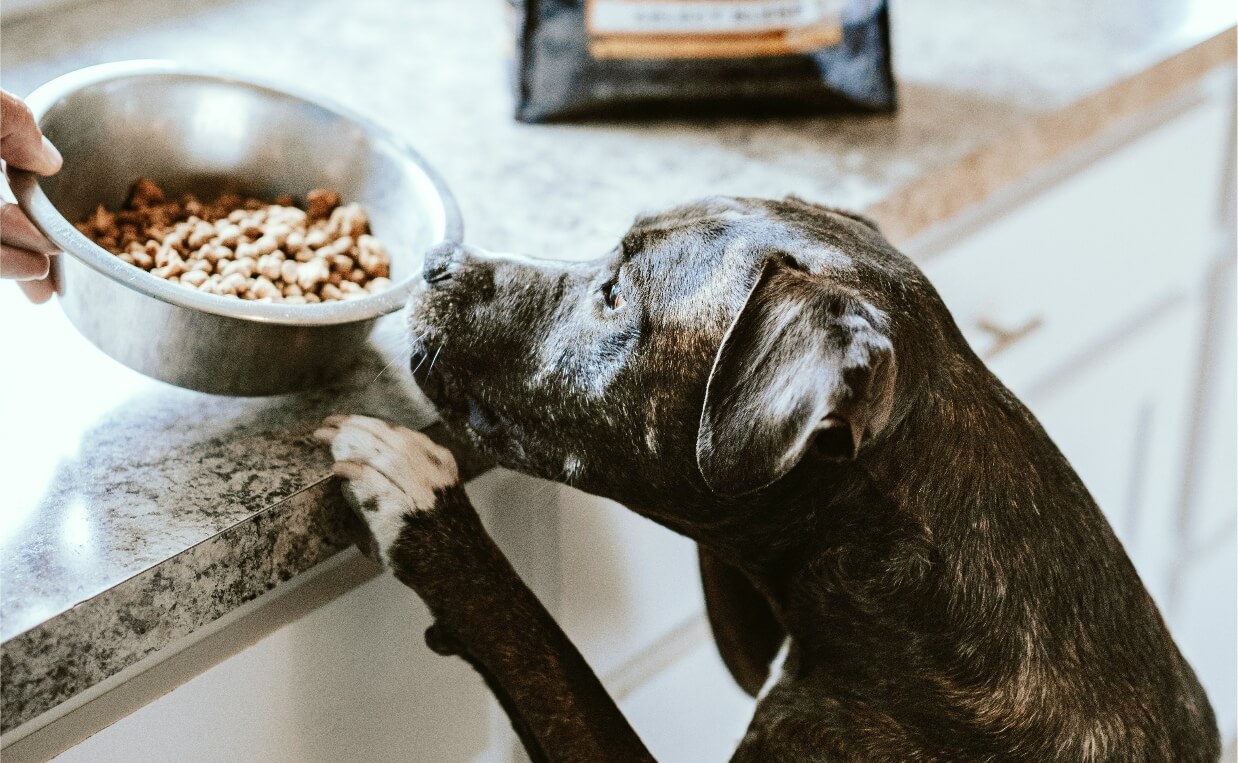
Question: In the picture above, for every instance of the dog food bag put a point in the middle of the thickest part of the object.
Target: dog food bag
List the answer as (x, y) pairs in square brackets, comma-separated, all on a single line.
[(582, 58)]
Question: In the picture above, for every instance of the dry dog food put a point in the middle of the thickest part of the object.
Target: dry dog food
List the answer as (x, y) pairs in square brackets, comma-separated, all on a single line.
[(581, 58), (247, 248)]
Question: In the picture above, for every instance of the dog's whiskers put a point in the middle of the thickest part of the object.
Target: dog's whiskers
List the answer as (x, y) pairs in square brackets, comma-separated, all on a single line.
[(435, 358), (415, 342), (423, 355), (384, 369)]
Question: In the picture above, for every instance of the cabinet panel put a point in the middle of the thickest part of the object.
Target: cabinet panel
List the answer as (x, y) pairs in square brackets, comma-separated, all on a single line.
[(1214, 493), (692, 711), (1205, 624), (1083, 259), (626, 580), (352, 680)]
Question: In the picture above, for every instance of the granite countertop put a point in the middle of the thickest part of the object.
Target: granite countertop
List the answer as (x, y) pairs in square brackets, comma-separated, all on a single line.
[(135, 512)]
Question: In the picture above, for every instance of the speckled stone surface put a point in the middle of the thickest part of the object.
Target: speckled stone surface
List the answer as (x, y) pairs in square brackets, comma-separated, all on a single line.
[(84, 645), (135, 512), (141, 511)]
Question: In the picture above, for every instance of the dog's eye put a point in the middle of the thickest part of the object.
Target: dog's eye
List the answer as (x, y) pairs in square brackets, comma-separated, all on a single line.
[(612, 295)]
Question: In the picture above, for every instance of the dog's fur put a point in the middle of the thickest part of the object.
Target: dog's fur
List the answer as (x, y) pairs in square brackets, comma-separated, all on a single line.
[(775, 381)]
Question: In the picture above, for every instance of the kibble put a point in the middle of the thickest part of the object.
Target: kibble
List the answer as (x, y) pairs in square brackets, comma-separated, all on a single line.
[(244, 247)]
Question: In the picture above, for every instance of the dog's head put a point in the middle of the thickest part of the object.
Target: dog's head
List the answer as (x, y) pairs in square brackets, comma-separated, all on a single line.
[(718, 346)]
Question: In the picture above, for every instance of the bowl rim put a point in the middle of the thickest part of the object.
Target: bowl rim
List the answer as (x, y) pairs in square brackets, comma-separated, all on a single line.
[(35, 203)]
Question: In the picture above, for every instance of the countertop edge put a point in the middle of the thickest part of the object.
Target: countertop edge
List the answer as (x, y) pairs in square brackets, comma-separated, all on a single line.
[(281, 541), (290, 536)]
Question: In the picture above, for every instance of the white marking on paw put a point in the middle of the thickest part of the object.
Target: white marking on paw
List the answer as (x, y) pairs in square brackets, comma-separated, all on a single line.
[(389, 472)]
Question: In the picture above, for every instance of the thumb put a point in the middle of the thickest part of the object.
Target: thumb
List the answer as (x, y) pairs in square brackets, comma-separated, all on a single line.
[(22, 145)]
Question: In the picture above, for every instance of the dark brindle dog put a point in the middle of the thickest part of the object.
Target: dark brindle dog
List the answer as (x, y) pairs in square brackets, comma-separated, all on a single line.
[(775, 381)]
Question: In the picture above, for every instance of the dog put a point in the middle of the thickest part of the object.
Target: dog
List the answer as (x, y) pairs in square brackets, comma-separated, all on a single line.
[(775, 381)]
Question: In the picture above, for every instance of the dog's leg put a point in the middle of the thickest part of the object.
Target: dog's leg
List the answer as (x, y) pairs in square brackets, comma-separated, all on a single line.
[(745, 630), (426, 531)]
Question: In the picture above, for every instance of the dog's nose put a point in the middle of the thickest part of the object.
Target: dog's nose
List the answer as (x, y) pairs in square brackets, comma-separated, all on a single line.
[(440, 262)]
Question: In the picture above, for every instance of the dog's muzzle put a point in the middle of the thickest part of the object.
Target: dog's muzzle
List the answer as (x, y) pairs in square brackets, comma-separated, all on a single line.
[(441, 262)]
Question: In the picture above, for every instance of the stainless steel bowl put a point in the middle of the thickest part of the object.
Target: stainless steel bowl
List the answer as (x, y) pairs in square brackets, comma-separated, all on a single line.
[(203, 132)]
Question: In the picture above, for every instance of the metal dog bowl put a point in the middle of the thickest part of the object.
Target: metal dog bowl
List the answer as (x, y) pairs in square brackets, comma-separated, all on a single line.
[(203, 133)]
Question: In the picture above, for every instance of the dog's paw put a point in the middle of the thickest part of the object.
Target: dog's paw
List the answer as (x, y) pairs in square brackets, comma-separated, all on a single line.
[(389, 472)]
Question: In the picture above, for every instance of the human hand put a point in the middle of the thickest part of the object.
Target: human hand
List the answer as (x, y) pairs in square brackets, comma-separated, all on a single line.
[(24, 252)]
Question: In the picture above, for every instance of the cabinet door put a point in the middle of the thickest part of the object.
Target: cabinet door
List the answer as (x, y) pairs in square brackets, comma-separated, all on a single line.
[(1204, 614), (1204, 621), (1212, 491), (627, 582), (1079, 262), (1121, 418), (692, 711), (352, 680)]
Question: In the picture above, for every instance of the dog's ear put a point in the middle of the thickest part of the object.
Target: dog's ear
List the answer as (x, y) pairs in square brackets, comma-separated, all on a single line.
[(806, 364)]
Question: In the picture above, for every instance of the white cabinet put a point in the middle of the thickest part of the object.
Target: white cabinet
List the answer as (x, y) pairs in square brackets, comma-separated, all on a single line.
[(1073, 267), (692, 711), (351, 681), (1204, 611), (1204, 619), (626, 581)]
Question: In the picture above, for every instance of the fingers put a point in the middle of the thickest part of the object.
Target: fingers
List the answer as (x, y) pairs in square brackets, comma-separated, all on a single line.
[(23, 265), (22, 145), (24, 254), (38, 292), (24, 251), (16, 230)]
